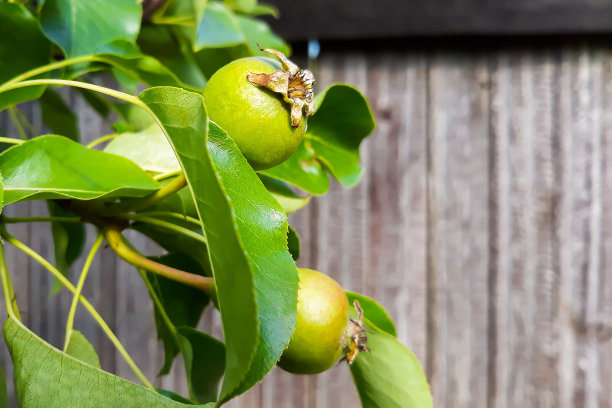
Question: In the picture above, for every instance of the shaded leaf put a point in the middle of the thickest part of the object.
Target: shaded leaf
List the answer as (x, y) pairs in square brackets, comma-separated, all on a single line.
[(143, 68), (302, 169), (68, 241), (44, 376), (1, 192), (217, 28), (204, 358), (81, 349), (265, 9), (184, 119), (286, 197), (23, 47), (374, 312), (211, 59), (3, 392), (58, 116), (52, 166), (389, 376), (174, 396), (343, 119), (86, 28), (182, 305), (160, 42), (259, 32), (293, 243)]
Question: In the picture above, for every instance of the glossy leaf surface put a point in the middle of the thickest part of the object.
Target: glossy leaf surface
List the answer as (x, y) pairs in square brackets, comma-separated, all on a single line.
[(23, 47), (374, 312), (45, 377), (85, 27), (184, 119), (52, 166), (262, 226), (389, 376)]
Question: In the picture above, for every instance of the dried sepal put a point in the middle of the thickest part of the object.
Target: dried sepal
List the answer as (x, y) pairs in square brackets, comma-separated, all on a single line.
[(293, 83), (355, 337)]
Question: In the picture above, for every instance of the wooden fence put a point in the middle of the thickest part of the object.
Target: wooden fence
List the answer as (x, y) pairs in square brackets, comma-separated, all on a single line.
[(483, 224)]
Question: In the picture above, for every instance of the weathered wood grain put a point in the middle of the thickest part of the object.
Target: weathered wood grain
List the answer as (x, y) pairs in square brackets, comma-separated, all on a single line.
[(458, 248), (483, 224)]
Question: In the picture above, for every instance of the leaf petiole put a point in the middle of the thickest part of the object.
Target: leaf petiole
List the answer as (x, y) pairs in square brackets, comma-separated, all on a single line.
[(10, 140), (17, 220), (7, 288), (168, 225), (203, 283), (79, 288)]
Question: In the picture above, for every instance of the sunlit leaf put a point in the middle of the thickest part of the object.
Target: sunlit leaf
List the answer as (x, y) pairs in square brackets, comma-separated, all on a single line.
[(85, 27), (259, 32), (217, 28), (374, 312), (286, 197), (52, 166), (81, 349), (46, 377)]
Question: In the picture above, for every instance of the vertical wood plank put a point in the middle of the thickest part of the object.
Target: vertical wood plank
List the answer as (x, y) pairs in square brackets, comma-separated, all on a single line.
[(604, 315), (459, 229), (579, 224), (523, 197)]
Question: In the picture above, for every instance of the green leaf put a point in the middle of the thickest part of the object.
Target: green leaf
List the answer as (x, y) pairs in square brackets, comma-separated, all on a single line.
[(182, 305), (258, 32), (81, 349), (143, 68), (3, 392), (52, 166), (85, 27), (265, 9), (290, 201), (46, 377), (23, 47), (293, 243), (1, 192), (256, 278), (174, 396), (374, 312), (204, 358), (262, 227), (184, 119), (217, 28), (58, 116), (148, 148), (242, 5), (160, 42), (302, 169), (389, 376), (68, 241), (343, 119)]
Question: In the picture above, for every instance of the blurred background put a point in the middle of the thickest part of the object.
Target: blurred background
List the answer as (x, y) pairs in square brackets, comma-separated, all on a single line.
[(483, 221)]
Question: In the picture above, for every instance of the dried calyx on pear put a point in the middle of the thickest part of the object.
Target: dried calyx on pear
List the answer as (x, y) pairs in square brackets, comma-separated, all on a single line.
[(293, 83)]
